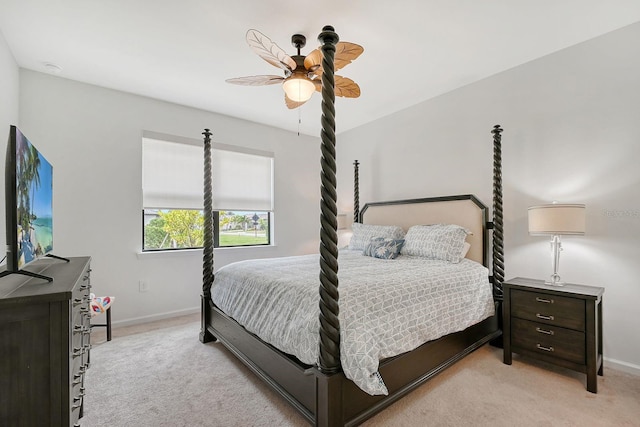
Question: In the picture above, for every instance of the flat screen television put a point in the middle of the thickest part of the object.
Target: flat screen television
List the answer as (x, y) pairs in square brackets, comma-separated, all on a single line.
[(28, 204)]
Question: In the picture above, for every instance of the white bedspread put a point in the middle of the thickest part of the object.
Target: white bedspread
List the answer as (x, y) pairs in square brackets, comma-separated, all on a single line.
[(387, 307)]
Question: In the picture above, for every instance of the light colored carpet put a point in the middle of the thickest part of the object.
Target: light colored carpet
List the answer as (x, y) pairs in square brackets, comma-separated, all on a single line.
[(161, 375)]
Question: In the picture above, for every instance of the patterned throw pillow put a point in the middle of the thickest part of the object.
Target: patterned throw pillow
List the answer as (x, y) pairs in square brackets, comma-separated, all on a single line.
[(438, 241), (363, 233), (100, 304), (382, 248)]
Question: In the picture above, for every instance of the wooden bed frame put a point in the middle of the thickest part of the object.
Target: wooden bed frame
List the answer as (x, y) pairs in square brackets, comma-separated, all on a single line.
[(322, 394)]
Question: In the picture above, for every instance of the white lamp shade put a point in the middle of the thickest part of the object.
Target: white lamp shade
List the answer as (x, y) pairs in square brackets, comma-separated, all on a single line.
[(557, 219), (298, 89), (342, 221)]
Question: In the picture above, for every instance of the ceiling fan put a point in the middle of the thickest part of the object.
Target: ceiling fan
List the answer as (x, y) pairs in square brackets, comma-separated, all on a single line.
[(302, 74)]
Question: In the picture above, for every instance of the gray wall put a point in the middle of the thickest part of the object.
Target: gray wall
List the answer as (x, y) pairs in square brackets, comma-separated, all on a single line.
[(92, 137), (9, 108), (9, 86), (572, 134)]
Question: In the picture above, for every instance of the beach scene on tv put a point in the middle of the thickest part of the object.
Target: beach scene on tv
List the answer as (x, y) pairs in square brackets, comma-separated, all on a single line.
[(34, 202)]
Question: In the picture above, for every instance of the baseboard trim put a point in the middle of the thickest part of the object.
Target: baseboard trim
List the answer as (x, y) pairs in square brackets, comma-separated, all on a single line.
[(619, 365), (155, 317)]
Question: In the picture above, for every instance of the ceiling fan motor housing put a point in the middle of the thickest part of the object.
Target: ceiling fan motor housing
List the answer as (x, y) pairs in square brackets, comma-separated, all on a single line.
[(299, 63)]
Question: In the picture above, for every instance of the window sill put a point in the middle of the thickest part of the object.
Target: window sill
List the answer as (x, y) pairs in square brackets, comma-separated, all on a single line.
[(196, 252)]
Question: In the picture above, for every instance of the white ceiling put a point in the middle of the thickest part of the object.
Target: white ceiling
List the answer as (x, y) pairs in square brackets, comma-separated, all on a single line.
[(182, 51)]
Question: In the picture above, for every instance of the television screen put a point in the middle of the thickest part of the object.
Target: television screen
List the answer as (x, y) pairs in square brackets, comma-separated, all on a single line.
[(33, 202)]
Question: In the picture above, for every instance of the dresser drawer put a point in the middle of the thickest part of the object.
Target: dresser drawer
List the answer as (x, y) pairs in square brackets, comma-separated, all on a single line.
[(79, 314), (549, 340), (549, 309), (79, 305)]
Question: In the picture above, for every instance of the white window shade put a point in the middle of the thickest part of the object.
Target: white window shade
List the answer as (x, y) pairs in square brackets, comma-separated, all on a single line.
[(171, 175), (173, 178), (242, 181)]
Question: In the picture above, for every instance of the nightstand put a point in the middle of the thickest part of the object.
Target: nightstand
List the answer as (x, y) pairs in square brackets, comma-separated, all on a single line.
[(561, 325)]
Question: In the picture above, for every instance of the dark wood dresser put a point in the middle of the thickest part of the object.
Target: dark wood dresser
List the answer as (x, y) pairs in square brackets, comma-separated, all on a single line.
[(44, 344), (557, 324)]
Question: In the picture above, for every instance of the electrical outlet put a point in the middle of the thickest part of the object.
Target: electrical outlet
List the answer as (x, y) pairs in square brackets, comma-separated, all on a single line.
[(143, 286)]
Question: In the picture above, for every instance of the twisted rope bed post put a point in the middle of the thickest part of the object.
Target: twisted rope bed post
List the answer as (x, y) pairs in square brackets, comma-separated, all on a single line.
[(356, 193), (498, 231), (207, 250), (329, 356)]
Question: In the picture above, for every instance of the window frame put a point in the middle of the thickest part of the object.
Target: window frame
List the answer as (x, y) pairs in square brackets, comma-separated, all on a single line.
[(216, 213)]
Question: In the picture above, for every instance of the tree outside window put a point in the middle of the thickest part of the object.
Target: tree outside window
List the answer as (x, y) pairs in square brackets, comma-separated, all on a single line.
[(183, 229)]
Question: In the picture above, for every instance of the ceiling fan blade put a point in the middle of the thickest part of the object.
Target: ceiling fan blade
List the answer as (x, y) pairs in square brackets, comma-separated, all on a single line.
[(346, 53), (343, 86), (256, 80), (291, 104), (269, 51), (313, 61), (346, 87)]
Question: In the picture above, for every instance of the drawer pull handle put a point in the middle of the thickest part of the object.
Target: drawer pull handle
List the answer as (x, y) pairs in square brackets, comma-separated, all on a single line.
[(544, 300), (544, 331), (543, 317), (549, 349)]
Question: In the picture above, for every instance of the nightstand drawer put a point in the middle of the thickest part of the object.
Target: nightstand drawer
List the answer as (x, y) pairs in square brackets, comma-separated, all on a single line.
[(550, 309), (549, 340)]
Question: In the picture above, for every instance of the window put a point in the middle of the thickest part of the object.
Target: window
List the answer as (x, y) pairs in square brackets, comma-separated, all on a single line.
[(172, 182), (184, 228)]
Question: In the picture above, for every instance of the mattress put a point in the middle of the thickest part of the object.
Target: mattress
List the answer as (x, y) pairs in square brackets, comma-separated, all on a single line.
[(387, 307)]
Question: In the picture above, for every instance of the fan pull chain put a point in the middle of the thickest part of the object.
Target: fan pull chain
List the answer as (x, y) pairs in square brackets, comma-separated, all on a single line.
[(299, 119)]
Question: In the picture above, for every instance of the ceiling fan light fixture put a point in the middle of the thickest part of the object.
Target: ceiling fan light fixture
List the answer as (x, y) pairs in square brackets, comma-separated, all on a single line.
[(298, 88)]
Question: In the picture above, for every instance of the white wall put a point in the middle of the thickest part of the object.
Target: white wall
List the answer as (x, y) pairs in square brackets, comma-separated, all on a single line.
[(9, 87), (9, 108), (92, 137), (571, 133)]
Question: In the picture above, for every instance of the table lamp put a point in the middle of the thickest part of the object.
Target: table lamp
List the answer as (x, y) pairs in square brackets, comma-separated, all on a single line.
[(556, 220)]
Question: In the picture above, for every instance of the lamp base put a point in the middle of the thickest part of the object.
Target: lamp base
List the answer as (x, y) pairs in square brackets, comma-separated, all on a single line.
[(551, 282), (554, 280)]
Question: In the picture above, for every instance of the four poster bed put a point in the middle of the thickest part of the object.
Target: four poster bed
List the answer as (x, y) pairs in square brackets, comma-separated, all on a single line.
[(328, 390)]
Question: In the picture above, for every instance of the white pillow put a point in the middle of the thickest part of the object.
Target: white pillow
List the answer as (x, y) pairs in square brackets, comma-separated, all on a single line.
[(438, 241), (363, 233), (465, 249)]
